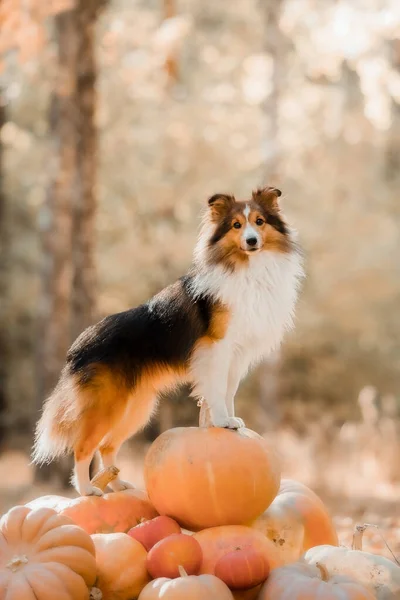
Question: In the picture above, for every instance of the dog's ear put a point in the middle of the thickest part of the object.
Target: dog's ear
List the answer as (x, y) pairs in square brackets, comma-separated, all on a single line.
[(268, 196), (219, 205)]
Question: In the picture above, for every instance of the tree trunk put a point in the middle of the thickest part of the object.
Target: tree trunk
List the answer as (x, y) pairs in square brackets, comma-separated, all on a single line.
[(68, 298), (3, 286), (84, 283), (57, 219), (58, 210)]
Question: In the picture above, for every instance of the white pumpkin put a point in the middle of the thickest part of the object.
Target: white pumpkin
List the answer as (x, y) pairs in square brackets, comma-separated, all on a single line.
[(376, 573)]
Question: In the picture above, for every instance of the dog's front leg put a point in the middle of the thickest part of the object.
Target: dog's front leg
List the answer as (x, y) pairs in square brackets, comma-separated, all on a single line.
[(210, 371), (237, 371)]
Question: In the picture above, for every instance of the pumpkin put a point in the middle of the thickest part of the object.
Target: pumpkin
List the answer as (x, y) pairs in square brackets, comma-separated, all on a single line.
[(114, 512), (250, 594), (44, 556), (149, 532), (165, 558), (192, 587), (208, 476), (300, 581), (216, 542), (296, 520), (243, 568), (121, 566), (377, 573)]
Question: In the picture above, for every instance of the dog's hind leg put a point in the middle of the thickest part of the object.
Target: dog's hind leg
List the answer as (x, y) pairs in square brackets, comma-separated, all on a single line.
[(92, 431), (138, 412), (100, 405)]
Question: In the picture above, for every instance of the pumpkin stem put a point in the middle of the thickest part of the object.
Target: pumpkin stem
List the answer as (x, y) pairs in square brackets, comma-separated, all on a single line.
[(323, 571), (96, 594), (182, 572), (103, 477), (358, 537), (16, 562), (204, 416)]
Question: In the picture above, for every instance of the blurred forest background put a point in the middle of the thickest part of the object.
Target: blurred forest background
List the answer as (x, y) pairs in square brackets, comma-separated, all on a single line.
[(118, 118)]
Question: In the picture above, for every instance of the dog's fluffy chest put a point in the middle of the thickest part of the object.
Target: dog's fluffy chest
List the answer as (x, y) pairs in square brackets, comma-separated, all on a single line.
[(260, 299)]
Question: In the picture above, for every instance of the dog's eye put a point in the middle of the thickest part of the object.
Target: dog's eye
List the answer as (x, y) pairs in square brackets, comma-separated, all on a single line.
[(237, 225), (259, 222)]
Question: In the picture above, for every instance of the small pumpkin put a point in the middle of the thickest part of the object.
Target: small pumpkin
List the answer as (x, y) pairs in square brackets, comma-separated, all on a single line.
[(216, 542), (300, 581), (242, 569), (296, 520), (250, 594), (377, 573), (44, 556), (110, 513), (186, 587), (209, 476), (151, 531), (165, 558), (121, 566)]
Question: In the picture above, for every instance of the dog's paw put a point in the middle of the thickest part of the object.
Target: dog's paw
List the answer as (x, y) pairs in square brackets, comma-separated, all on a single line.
[(119, 486), (228, 423), (235, 423), (90, 490)]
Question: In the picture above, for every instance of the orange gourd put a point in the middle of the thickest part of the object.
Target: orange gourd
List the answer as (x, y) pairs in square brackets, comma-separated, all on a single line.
[(110, 513), (178, 550), (300, 581), (296, 520), (121, 566), (250, 594), (151, 531), (44, 556), (242, 569), (205, 477), (216, 542), (187, 587)]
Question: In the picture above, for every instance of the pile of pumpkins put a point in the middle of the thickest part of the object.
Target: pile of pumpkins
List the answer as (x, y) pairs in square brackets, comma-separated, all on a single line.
[(216, 523)]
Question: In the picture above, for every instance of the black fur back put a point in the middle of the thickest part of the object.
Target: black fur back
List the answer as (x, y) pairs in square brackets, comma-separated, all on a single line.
[(163, 331)]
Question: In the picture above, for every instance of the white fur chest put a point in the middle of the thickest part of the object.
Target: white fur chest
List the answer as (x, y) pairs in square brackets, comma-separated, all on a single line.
[(261, 299)]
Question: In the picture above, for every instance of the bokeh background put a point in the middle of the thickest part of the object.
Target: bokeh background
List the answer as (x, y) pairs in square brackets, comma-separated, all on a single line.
[(118, 119)]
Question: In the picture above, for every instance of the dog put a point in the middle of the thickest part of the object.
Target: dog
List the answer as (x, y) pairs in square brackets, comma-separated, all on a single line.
[(208, 328)]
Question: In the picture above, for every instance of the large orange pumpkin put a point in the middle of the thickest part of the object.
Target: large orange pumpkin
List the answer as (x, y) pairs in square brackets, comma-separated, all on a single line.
[(111, 513), (204, 477), (121, 566), (300, 581), (296, 520), (187, 587), (44, 556), (216, 542)]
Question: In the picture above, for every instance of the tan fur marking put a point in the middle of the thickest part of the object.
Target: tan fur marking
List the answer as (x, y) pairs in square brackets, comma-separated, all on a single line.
[(219, 323), (230, 244)]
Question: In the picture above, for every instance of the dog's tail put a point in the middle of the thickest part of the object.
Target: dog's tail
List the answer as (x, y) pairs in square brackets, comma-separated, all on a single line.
[(54, 431)]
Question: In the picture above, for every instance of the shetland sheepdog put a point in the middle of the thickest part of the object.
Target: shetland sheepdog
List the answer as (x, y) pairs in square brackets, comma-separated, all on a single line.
[(228, 312)]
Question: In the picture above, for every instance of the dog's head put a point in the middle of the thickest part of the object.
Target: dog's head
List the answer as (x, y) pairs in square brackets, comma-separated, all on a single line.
[(238, 230)]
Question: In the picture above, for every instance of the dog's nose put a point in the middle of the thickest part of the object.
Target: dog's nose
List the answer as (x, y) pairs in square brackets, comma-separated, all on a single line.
[(252, 241)]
